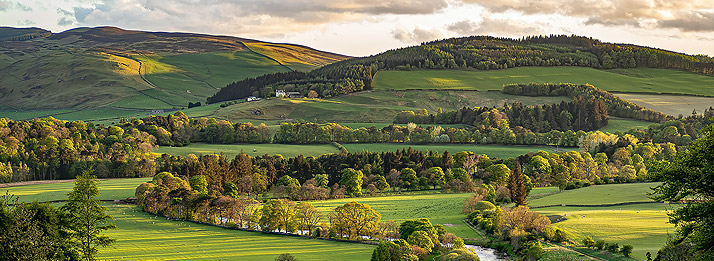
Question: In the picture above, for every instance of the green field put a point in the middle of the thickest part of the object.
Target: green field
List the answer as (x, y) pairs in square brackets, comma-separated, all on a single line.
[(647, 80), (231, 150), (670, 104), (438, 208), (140, 236), (602, 194), (109, 189), (623, 125), (643, 225), (499, 151)]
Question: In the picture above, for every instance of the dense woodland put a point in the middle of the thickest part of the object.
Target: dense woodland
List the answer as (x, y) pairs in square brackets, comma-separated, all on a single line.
[(616, 106), (475, 52), (579, 114)]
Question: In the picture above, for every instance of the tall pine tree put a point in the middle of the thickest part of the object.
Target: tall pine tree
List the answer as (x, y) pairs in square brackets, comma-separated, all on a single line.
[(517, 185)]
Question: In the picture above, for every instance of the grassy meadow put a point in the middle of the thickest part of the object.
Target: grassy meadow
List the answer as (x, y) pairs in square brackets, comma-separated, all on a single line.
[(109, 189), (140, 236), (623, 124), (670, 104), (231, 150), (499, 151), (442, 209), (643, 225), (643, 80)]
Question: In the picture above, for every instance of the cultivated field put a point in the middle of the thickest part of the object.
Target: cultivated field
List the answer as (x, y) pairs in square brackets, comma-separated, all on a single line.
[(140, 236), (622, 125), (109, 189), (231, 150), (670, 104), (442, 209), (499, 151), (647, 80), (642, 225)]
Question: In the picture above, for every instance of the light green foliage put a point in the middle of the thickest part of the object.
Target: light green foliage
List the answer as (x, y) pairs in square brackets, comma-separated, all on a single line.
[(381, 183), (199, 183), (352, 180), (409, 178), (436, 176), (5, 172), (278, 214), (422, 239), (690, 177), (322, 180), (287, 181), (460, 254), (499, 174), (87, 217)]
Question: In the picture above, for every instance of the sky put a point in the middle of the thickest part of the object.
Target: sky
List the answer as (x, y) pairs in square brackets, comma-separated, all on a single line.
[(366, 27)]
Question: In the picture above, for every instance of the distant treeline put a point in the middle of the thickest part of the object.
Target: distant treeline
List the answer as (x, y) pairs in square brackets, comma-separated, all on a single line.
[(478, 52), (616, 106), (47, 149)]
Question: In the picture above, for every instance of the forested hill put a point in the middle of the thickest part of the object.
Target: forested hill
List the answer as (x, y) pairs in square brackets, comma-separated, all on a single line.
[(109, 67), (475, 52)]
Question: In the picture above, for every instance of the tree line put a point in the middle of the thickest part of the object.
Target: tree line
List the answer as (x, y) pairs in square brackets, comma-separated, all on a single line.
[(476, 52)]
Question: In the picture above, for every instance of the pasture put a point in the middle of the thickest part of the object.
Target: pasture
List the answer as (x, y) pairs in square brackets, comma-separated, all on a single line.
[(109, 189), (670, 104), (442, 209), (643, 80), (642, 225), (231, 150), (141, 236), (498, 151), (623, 125)]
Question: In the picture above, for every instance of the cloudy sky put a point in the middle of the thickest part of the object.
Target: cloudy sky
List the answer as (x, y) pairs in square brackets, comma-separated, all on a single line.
[(364, 27)]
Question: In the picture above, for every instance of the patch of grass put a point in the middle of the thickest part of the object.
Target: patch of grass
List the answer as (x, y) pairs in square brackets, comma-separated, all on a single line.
[(670, 104), (438, 208), (643, 226), (600, 194), (499, 151), (622, 125), (140, 236), (109, 189), (296, 57), (646, 80), (231, 150)]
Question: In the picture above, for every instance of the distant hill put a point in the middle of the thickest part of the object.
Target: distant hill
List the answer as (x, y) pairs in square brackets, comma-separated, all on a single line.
[(470, 53), (113, 68)]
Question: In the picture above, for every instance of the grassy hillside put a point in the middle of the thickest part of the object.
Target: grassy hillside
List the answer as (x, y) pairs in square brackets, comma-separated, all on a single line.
[(374, 106), (107, 67), (642, 80)]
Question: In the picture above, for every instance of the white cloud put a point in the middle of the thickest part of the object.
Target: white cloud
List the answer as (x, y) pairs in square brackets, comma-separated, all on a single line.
[(417, 35)]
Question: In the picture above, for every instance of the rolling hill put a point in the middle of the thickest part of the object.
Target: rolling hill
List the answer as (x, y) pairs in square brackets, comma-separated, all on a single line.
[(112, 69)]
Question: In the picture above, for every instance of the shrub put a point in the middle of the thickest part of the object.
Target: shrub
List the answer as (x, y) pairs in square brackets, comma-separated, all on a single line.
[(589, 242), (612, 247), (285, 257), (626, 250), (600, 244), (535, 251)]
